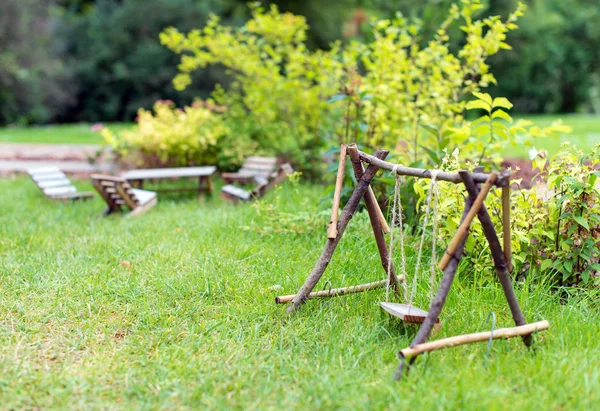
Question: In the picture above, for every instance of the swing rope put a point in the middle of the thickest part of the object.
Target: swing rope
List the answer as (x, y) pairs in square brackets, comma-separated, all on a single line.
[(436, 194), (397, 219)]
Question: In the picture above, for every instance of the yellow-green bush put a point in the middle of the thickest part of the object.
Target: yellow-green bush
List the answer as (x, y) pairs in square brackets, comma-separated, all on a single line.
[(280, 87), (168, 135), (403, 92)]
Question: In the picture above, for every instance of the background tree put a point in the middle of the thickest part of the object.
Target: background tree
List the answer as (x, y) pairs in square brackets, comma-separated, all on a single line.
[(35, 84)]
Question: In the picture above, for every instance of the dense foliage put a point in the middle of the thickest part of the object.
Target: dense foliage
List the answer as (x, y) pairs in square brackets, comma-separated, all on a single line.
[(119, 64), (403, 92), (555, 66), (555, 226), (89, 60), (170, 136), (34, 82)]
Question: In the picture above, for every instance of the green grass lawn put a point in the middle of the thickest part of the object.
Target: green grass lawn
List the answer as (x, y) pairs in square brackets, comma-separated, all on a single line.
[(585, 134), (192, 323), (56, 134)]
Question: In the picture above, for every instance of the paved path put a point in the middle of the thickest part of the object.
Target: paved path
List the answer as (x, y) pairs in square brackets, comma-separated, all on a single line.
[(72, 158), (25, 151), (20, 166)]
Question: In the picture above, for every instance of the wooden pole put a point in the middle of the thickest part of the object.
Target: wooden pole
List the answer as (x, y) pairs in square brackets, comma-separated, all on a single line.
[(372, 208), (527, 329), (384, 225), (462, 230), (334, 292), (506, 234), (498, 255), (339, 182), (478, 177), (435, 307), (370, 194), (330, 246)]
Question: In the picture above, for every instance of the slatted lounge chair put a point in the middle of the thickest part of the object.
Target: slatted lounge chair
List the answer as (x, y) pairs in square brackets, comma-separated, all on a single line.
[(118, 194), (56, 185), (263, 184), (254, 166)]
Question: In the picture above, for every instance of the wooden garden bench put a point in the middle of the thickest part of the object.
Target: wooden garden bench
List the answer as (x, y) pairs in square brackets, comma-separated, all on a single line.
[(254, 166), (262, 183), (118, 194), (56, 185)]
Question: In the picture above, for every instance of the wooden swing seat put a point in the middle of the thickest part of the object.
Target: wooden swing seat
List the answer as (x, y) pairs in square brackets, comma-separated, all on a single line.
[(407, 313)]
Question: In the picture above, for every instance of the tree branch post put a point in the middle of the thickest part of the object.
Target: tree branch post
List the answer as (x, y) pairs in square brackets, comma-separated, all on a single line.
[(498, 256), (439, 300), (372, 207), (359, 192)]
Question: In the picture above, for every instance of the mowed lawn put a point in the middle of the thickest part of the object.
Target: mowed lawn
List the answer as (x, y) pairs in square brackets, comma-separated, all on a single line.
[(175, 309), (585, 134), (80, 133)]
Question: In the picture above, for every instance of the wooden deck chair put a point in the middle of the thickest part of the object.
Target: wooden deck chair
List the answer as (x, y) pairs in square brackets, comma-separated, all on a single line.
[(236, 194), (254, 166), (55, 184), (118, 194)]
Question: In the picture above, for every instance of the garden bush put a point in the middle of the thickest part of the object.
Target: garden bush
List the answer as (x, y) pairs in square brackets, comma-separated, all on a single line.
[(171, 136), (415, 94), (555, 225)]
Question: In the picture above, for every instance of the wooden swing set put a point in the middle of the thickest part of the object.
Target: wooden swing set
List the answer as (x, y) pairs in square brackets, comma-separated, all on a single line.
[(474, 206)]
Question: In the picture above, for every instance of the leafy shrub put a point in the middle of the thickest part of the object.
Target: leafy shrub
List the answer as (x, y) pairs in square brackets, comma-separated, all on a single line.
[(280, 89), (555, 227), (571, 249), (485, 139), (419, 91), (193, 135)]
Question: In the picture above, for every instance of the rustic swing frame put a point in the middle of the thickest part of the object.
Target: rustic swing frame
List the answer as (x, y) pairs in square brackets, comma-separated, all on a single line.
[(449, 263)]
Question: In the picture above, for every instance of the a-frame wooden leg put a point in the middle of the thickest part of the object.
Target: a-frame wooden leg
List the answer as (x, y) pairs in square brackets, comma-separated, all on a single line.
[(330, 246), (498, 256), (439, 300), (372, 206)]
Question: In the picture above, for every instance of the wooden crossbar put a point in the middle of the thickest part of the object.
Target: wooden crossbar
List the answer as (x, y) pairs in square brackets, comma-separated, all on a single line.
[(335, 292), (502, 180), (511, 332)]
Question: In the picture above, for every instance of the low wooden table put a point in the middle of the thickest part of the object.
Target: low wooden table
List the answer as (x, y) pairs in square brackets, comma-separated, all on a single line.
[(204, 175)]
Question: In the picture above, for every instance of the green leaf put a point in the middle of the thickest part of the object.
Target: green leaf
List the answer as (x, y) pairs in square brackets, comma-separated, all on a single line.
[(595, 267), (581, 221), (545, 264), (571, 230), (337, 97), (432, 154), (483, 96), (478, 104), (568, 264), (585, 276), (502, 102), (431, 130), (502, 114)]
